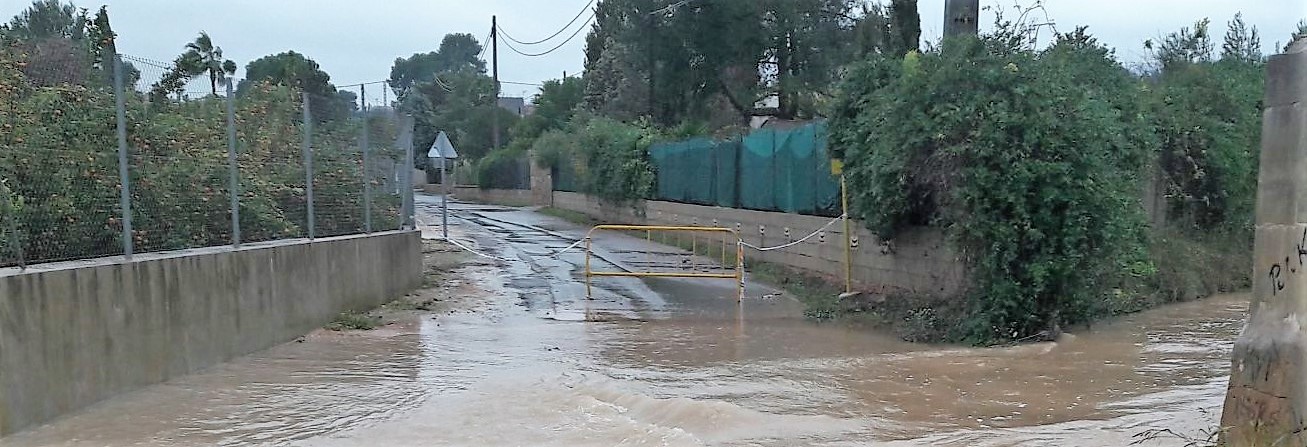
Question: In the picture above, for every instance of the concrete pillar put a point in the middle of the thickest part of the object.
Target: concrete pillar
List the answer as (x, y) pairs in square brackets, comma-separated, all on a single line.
[(961, 17), (1266, 403), (542, 185)]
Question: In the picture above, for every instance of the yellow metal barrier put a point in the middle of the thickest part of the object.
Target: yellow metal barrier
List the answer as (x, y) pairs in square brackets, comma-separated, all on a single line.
[(727, 236)]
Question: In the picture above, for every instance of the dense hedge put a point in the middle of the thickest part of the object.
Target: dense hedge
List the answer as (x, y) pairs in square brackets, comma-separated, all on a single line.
[(610, 157), (1030, 160), (1034, 163), (59, 169)]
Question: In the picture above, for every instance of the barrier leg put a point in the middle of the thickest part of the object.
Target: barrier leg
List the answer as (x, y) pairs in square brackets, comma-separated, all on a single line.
[(587, 268)]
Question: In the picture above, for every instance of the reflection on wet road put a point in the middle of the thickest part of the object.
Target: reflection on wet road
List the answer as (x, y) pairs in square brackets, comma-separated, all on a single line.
[(671, 362)]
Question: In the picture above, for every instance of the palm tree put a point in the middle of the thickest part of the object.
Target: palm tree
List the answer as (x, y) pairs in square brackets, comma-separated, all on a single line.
[(203, 56)]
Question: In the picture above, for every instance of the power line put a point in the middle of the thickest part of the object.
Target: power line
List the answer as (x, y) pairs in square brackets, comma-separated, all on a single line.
[(521, 83), (555, 48), (670, 7), (361, 84), (556, 33), (442, 84), (484, 42)]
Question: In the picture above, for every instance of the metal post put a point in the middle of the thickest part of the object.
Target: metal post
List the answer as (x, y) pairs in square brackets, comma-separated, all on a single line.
[(406, 142), (494, 64), (739, 269), (125, 194), (308, 164), (235, 185), (17, 244), (587, 267), (12, 229), (848, 237), (367, 172), (444, 200)]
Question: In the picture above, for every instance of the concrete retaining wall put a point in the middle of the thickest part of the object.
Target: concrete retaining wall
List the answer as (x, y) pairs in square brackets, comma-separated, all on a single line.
[(507, 197), (918, 261), (74, 333)]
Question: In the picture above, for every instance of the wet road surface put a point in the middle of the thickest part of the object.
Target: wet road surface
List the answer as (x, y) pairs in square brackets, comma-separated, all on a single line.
[(530, 361)]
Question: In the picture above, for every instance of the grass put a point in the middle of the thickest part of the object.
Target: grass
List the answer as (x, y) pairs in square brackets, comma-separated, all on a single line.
[(1186, 267), (569, 215), (911, 317), (357, 321)]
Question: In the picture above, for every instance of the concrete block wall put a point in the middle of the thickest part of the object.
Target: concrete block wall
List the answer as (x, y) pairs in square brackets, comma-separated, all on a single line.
[(74, 333), (507, 197), (918, 261)]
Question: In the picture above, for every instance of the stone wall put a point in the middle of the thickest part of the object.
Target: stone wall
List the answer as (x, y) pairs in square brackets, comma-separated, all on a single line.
[(74, 333), (506, 197), (918, 261)]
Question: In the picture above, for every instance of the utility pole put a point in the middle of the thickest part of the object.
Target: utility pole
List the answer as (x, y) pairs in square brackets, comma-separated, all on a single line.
[(494, 70), (961, 18)]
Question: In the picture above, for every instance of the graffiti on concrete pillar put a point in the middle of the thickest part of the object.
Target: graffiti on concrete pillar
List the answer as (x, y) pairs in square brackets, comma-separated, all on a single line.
[(1276, 272)]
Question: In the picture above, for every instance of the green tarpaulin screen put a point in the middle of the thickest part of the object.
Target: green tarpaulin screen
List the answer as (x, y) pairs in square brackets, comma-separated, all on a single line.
[(770, 170)]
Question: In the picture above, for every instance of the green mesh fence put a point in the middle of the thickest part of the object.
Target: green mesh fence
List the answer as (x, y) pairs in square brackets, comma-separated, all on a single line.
[(564, 176), (770, 170)]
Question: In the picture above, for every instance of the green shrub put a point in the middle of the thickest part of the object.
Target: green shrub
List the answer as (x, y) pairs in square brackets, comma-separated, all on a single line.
[(1208, 121), (502, 169), (1028, 159), (611, 158), (58, 159)]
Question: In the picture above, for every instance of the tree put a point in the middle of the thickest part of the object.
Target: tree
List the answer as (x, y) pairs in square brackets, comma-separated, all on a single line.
[(457, 52), (49, 19), (459, 103), (299, 71), (1241, 42), (1301, 32), (905, 24), (63, 45), (201, 57), (1206, 115), (871, 31), (205, 57), (1187, 46), (715, 60), (557, 102), (1028, 160), (288, 68)]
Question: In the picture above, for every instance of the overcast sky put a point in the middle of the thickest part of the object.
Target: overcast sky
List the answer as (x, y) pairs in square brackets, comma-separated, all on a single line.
[(358, 40)]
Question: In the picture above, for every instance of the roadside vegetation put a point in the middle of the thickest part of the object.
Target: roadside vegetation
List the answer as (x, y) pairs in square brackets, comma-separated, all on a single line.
[(1035, 158), (59, 173), (1033, 161)]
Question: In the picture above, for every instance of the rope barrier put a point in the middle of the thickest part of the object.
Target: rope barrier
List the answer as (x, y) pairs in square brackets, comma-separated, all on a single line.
[(484, 255), (791, 244), (469, 250), (579, 241)]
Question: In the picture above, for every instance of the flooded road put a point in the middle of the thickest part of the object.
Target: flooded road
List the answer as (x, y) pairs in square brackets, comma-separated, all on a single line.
[(527, 360)]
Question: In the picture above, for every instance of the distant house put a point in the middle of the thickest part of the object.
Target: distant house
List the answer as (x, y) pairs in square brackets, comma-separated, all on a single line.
[(515, 105)]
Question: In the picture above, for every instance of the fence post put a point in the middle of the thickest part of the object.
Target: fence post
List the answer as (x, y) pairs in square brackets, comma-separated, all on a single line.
[(125, 194), (444, 198), (17, 243), (12, 227), (406, 186), (308, 164), (367, 174), (234, 188)]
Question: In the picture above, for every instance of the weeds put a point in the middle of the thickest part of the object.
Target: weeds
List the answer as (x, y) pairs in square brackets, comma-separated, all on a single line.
[(356, 321), (569, 215)]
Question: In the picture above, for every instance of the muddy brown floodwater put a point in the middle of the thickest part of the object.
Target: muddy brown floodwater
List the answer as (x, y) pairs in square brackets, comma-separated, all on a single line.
[(524, 359)]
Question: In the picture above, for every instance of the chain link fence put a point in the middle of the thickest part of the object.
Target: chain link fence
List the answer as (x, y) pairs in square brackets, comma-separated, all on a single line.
[(121, 157)]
